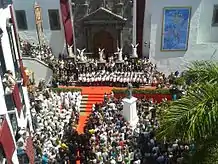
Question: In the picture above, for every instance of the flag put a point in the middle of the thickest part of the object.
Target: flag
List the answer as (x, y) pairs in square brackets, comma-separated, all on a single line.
[(67, 22)]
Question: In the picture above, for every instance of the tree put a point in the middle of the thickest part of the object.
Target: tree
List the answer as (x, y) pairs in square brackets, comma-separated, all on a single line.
[(195, 115)]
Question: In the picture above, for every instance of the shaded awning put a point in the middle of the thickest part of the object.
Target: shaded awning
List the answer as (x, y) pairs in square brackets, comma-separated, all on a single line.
[(17, 98), (7, 142)]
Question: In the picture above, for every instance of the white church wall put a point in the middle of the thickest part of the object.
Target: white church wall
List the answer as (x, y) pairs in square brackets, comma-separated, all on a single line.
[(197, 50), (55, 38), (4, 15), (207, 32)]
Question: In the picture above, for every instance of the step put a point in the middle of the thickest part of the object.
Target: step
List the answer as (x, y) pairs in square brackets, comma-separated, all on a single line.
[(95, 98), (89, 106), (86, 110), (93, 93), (86, 105), (94, 101)]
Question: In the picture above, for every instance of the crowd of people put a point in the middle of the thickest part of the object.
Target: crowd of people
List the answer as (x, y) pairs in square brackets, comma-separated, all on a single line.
[(52, 113), (41, 52), (137, 72), (94, 73), (110, 139)]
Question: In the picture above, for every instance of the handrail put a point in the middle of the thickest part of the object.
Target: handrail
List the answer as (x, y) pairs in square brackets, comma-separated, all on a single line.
[(39, 61)]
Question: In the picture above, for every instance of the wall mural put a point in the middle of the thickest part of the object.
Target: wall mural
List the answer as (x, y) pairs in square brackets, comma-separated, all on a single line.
[(175, 28)]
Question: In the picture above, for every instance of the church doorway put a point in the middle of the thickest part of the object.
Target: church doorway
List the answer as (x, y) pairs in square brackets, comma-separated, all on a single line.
[(103, 39)]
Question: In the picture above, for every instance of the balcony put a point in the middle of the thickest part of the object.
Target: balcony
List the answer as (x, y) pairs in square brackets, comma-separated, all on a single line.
[(8, 82)]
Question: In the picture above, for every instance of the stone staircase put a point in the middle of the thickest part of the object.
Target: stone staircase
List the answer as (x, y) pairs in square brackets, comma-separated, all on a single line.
[(88, 101)]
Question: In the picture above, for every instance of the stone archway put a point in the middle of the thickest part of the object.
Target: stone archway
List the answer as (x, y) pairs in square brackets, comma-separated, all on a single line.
[(103, 39)]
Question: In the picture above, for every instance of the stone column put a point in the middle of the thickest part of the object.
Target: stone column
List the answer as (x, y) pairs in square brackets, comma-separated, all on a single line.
[(86, 30), (119, 37)]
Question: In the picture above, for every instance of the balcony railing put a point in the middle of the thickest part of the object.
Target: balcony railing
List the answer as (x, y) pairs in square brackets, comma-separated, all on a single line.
[(8, 83)]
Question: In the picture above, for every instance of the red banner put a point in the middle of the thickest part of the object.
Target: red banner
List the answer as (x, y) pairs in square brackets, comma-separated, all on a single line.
[(17, 99), (30, 150), (67, 23), (140, 8)]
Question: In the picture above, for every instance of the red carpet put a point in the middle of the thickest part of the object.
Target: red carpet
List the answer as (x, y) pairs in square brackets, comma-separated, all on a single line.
[(91, 95), (94, 95)]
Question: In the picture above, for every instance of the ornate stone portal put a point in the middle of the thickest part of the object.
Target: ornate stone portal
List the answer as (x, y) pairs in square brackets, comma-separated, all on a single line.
[(103, 24), (103, 29)]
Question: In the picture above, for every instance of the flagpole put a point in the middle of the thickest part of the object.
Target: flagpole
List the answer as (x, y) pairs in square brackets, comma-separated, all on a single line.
[(134, 22), (72, 21)]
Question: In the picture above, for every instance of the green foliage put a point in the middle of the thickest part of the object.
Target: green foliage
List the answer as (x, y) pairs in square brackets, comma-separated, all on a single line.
[(142, 91), (58, 90), (194, 116), (202, 71), (179, 81), (208, 153)]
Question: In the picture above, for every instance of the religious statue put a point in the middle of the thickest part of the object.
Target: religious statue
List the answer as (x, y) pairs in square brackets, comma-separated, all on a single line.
[(81, 54), (119, 53), (134, 50), (70, 50), (101, 53), (129, 90)]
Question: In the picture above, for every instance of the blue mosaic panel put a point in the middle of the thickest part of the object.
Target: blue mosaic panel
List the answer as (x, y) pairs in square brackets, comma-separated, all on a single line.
[(175, 30)]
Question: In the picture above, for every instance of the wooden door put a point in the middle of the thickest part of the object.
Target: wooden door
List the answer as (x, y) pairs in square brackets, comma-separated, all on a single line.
[(103, 39)]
